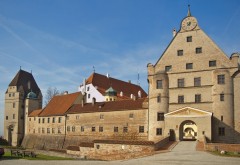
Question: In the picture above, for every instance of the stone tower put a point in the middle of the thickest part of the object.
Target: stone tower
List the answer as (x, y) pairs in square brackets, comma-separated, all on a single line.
[(194, 88), (21, 90)]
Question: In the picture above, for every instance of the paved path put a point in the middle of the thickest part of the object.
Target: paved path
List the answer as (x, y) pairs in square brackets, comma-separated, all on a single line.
[(184, 153)]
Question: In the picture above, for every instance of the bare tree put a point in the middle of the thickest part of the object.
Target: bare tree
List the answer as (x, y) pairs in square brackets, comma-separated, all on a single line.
[(51, 92)]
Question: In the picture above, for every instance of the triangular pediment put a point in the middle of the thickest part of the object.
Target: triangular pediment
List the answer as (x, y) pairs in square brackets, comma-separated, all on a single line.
[(188, 111)]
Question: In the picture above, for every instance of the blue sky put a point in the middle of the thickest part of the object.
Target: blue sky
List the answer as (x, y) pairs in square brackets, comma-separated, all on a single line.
[(61, 40)]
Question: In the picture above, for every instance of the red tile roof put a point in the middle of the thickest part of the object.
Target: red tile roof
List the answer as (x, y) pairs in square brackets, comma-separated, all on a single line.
[(103, 83), (60, 104), (122, 105), (35, 113)]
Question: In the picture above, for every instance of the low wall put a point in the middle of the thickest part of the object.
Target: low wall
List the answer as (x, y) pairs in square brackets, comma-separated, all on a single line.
[(163, 142)]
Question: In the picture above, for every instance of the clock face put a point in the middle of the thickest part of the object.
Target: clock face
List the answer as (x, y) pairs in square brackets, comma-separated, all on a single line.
[(189, 23)]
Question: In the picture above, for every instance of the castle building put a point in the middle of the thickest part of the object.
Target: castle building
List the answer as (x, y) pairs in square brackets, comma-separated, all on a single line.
[(22, 97), (194, 89), (97, 84)]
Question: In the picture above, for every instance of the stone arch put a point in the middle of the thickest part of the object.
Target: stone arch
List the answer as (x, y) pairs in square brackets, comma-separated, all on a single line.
[(188, 130)]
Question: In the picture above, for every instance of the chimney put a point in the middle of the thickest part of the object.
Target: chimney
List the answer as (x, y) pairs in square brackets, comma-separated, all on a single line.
[(107, 75), (65, 93), (174, 32), (129, 81)]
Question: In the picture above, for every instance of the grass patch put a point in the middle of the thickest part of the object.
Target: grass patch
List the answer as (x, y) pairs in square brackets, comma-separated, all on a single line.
[(228, 154), (8, 156)]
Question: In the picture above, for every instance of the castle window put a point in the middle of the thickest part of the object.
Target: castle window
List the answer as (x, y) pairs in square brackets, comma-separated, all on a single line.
[(14, 105), (101, 116), (125, 129), (221, 131), (9, 95), (168, 68), (159, 84), (77, 117), (53, 130), (73, 128), (100, 129), (39, 120), (180, 52), (43, 131), (159, 98), (181, 82), (197, 98), (115, 129), (160, 116), (221, 118), (198, 50), (181, 99), (131, 115), (59, 130), (43, 120), (53, 120), (197, 81), (82, 128), (48, 120), (212, 63), (68, 128), (48, 130), (59, 119), (141, 129), (93, 129), (221, 79), (13, 116), (6, 117), (189, 38), (221, 97), (158, 131), (189, 65)]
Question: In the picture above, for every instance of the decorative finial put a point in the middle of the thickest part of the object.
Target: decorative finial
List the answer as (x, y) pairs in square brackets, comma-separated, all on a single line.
[(189, 12), (93, 69), (20, 67)]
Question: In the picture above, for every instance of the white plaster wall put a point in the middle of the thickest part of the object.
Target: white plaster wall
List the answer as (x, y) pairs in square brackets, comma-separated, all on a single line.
[(93, 93)]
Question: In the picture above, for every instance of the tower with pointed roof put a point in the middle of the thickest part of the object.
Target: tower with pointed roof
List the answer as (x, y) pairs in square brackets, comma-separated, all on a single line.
[(196, 92), (22, 96)]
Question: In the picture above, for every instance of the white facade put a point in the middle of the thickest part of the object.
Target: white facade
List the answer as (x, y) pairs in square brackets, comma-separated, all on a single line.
[(91, 92)]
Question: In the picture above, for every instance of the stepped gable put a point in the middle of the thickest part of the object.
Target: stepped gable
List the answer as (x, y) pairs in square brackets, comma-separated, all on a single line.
[(59, 104), (103, 83), (23, 78), (122, 105), (35, 113)]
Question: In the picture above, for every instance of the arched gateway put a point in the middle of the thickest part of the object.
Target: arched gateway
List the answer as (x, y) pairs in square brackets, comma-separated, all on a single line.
[(188, 124)]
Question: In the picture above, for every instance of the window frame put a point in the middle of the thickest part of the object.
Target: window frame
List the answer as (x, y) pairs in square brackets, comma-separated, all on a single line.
[(189, 38), (197, 81), (212, 63), (198, 98), (159, 84), (141, 129), (180, 83), (168, 68), (222, 97), (198, 50), (221, 79), (160, 116), (158, 131), (189, 65), (180, 99), (180, 52)]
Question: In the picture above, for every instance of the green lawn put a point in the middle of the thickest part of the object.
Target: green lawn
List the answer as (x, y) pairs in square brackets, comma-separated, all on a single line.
[(7, 155)]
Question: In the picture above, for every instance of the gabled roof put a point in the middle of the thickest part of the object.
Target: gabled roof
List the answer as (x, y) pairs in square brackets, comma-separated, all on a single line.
[(188, 112), (60, 104), (103, 83), (122, 105), (35, 113), (22, 78)]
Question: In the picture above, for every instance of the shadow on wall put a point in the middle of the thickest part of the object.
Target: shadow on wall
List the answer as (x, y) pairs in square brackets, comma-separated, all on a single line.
[(223, 133)]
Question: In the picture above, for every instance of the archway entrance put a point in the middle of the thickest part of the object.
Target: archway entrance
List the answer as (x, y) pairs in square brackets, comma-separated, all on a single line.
[(188, 130)]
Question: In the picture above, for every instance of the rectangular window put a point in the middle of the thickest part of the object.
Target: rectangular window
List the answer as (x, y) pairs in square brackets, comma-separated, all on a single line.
[(159, 98), (180, 52), (93, 129), (168, 68), (14, 105), (43, 131), (158, 131), (48, 130), (197, 98), (29, 118), (82, 128), (77, 117), (48, 120), (221, 118), (221, 79), (221, 131), (59, 130), (73, 128), (68, 128), (189, 65), (88, 88), (39, 120), (181, 82), (222, 97), (141, 129), (180, 99), (34, 118), (89, 96), (6, 117), (53, 130), (159, 84), (101, 116), (100, 129), (131, 115), (197, 81), (115, 129), (43, 120), (212, 63), (198, 50), (59, 119), (13, 116), (160, 116), (53, 120), (189, 38), (9, 95), (125, 129)]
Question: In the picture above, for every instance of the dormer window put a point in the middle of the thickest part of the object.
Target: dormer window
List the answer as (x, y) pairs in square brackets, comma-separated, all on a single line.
[(189, 38)]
